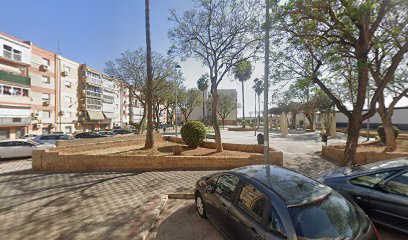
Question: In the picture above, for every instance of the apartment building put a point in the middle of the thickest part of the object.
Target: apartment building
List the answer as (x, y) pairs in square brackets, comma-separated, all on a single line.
[(137, 107), (67, 94), (43, 91), (91, 84), (15, 95), (110, 101)]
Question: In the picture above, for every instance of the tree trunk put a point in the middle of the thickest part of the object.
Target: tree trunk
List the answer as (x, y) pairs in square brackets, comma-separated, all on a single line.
[(259, 110), (157, 110), (223, 124), (385, 115), (203, 107), (310, 118), (243, 103), (256, 116), (214, 119), (149, 84), (131, 108), (141, 123), (354, 126)]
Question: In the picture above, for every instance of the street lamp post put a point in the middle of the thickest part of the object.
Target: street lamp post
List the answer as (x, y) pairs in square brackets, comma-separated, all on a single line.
[(175, 107)]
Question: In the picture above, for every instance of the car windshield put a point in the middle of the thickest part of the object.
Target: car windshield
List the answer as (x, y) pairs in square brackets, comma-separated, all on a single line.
[(34, 142), (332, 218), (376, 165)]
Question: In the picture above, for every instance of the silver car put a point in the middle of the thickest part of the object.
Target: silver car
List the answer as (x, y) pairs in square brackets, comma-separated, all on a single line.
[(19, 148), (52, 138)]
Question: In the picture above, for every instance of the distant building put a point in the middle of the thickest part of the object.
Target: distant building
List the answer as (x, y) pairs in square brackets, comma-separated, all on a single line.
[(197, 113), (15, 95)]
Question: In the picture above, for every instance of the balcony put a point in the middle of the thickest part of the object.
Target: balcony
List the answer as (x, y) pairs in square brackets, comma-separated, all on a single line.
[(14, 78), (13, 100), (15, 121)]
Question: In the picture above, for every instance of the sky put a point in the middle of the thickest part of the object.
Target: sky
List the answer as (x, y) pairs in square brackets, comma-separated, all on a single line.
[(95, 31)]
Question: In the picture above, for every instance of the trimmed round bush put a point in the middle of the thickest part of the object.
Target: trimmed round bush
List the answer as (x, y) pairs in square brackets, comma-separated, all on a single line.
[(193, 133), (381, 132)]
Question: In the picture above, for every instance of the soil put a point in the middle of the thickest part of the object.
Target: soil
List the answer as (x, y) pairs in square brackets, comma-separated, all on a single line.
[(167, 149), (378, 146)]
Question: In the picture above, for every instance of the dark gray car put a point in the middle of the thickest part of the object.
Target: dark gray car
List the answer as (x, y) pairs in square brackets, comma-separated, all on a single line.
[(257, 202), (380, 189)]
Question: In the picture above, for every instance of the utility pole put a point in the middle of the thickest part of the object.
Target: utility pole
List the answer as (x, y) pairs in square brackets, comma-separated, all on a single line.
[(175, 107), (368, 119), (266, 87)]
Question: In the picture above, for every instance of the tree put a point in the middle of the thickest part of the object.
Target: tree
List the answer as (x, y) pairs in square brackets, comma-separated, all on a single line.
[(149, 83), (242, 72), (131, 69), (219, 33), (202, 84), (188, 100), (226, 104), (258, 88), (334, 41)]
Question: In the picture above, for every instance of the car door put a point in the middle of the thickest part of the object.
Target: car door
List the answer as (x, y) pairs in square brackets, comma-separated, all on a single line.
[(390, 202), (364, 188), (25, 149), (218, 201), (7, 149), (247, 215)]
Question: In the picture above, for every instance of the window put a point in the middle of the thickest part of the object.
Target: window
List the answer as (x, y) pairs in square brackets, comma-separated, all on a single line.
[(25, 92), (16, 91), (67, 69), (16, 120), (275, 223), (67, 99), (93, 104), (398, 185), (7, 90), (45, 79), (226, 185), (46, 114), (17, 55), (46, 62), (45, 96), (93, 91), (67, 84), (371, 180), (7, 51), (252, 201)]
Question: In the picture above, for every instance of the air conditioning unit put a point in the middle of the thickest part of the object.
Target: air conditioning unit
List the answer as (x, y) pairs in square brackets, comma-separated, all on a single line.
[(46, 103), (44, 68), (53, 125), (38, 125), (35, 115), (64, 73), (62, 113)]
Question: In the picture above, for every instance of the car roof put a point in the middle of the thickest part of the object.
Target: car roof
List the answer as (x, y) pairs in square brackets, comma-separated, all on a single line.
[(294, 188), (381, 165)]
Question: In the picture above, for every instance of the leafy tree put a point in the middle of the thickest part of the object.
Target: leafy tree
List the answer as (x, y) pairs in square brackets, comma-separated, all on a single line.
[(202, 85), (258, 88), (242, 72), (331, 42), (189, 99), (219, 33), (226, 104)]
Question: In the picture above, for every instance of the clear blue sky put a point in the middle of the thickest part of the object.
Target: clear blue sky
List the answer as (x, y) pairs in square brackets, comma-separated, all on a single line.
[(95, 31)]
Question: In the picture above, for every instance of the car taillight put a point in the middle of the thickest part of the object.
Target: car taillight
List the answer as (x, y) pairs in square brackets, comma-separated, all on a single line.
[(377, 235)]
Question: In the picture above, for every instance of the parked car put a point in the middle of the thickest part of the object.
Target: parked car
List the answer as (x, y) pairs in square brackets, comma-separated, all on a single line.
[(52, 138), (121, 131), (106, 133), (380, 189), (29, 136), (257, 202), (89, 135), (19, 148)]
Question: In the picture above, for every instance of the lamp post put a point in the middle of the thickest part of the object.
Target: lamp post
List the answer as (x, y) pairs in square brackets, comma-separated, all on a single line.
[(175, 107)]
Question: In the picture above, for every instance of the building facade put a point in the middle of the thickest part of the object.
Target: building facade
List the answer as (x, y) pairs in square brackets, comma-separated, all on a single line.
[(110, 101), (15, 95)]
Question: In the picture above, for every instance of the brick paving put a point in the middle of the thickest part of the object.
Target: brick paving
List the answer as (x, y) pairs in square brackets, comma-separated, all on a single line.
[(98, 205)]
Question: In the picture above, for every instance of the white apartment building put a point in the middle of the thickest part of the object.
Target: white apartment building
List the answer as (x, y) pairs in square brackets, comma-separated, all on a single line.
[(111, 101)]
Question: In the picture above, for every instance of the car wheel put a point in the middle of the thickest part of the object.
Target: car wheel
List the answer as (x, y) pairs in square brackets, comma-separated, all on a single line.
[(200, 205)]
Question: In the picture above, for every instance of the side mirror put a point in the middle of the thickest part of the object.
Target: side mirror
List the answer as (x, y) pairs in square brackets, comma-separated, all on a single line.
[(210, 189)]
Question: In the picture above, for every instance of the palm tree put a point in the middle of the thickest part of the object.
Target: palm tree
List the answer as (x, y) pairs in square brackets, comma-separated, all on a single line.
[(242, 72), (258, 88), (149, 83), (202, 85)]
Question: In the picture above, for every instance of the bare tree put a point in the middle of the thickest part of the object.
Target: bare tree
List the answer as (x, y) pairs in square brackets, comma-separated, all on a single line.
[(226, 104), (219, 33), (188, 100)]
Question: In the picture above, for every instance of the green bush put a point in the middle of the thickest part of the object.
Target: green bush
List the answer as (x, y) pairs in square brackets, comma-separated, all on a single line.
[(193, 133), (381, 132), (136, 126)]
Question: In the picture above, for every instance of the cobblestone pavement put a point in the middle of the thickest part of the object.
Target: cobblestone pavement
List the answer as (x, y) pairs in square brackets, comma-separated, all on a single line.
[(98, 205)]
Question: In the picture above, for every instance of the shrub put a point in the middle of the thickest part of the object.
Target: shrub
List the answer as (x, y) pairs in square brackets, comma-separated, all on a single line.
[(381, 132), (193, 133)]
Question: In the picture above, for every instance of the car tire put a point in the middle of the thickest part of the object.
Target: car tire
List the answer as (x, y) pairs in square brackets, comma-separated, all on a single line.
[(200, 205)]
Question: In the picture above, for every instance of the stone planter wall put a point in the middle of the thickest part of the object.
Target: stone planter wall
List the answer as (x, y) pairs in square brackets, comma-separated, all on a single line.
[(336, 152), (242, 129)]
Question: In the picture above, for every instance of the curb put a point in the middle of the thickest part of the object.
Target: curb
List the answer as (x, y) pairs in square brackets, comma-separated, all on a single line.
[(180, 196), (147, 226)]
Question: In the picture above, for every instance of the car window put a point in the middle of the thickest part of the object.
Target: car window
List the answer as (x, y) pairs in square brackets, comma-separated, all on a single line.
[(275, 223), (372, 179), (49, 137), (252, 201), (226, 185), (26, 144), (399, 185), (64, 137), (6, 144)]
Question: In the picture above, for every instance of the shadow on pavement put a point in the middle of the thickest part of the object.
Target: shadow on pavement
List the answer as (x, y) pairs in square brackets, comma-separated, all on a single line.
[(185, 223)]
